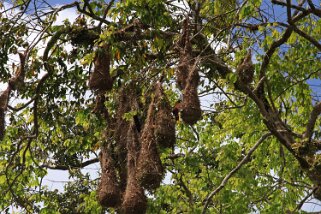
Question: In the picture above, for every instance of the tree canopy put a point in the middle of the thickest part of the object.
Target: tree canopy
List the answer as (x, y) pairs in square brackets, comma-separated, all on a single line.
[(205, 106)]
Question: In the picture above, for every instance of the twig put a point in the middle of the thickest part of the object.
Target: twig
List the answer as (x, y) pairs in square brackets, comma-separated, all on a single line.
[(298, 207), (63, 167), (233, 171)]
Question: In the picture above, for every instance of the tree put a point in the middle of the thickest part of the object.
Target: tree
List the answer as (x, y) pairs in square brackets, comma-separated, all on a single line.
[(102, 89)]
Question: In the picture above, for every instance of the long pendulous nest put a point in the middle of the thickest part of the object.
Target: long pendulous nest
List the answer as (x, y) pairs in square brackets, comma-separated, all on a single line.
[(191, 109), (4, 97), (245, 70), (185, 56), (125, 98), (188, 78), (100, 78), (149, 166), (134, 201), (164, 121), (108, 189)]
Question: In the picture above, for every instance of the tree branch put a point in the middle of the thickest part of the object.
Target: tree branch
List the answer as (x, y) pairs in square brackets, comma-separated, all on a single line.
[(64, 167), (311, 123), (298, 207), (233, 171)]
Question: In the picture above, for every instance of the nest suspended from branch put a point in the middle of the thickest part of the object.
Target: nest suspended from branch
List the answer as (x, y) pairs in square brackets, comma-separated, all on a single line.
[(185, 56), (245, 70), (100, 78), (191, 108), (164, 121), (134, 200), (4, 98), (108, 189), (120, 135), (149, 167)]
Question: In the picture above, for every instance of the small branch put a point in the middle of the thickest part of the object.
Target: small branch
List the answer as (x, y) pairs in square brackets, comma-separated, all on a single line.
[(21, 107), (288, 10), (64, 167), (307, 37), (233, 171), (297, 7), (272, 49), (187, 191), (304, 200), (91, 14)]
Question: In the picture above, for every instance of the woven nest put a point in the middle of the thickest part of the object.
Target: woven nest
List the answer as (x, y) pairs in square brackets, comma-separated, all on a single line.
[(149, 167), (182, 70), (185, 57), (134, 200), (108, 189), (4, 97), (100, 78), (120, 134), (164, 122), (245, 70), (191, 111)]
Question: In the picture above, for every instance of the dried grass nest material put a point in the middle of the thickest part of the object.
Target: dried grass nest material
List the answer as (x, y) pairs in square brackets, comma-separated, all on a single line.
[(164, 121), (185, 56), (100, 78), (149, 167), (191, 107), (134, 200), (108, 192), (245, 70)]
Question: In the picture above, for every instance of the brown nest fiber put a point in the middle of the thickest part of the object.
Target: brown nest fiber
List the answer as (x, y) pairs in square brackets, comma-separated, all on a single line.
[(108, 189), (164, 122), (191, 111), (4, 98), (245, 70), (125, 99), (134, 200), (185, 57), (100, 78), (149, 167)]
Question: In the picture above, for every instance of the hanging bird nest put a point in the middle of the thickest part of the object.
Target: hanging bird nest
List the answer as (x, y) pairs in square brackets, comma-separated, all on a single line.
[(100, 78), (185, 56), (164, 121), (120, 134), (134, 200), (245, 70), (191, 110), (4, 98), (149, 167), (108, 189)]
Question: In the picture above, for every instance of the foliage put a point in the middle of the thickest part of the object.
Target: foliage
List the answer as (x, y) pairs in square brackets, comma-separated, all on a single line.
[(51, 119)]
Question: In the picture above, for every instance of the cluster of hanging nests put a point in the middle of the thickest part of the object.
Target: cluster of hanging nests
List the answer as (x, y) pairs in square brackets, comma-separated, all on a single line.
[(130, 158)]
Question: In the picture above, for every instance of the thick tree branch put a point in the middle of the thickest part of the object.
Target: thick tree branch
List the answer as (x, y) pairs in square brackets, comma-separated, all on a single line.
[(311, 123), (233, 171), (307, 37), (286, 4)]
